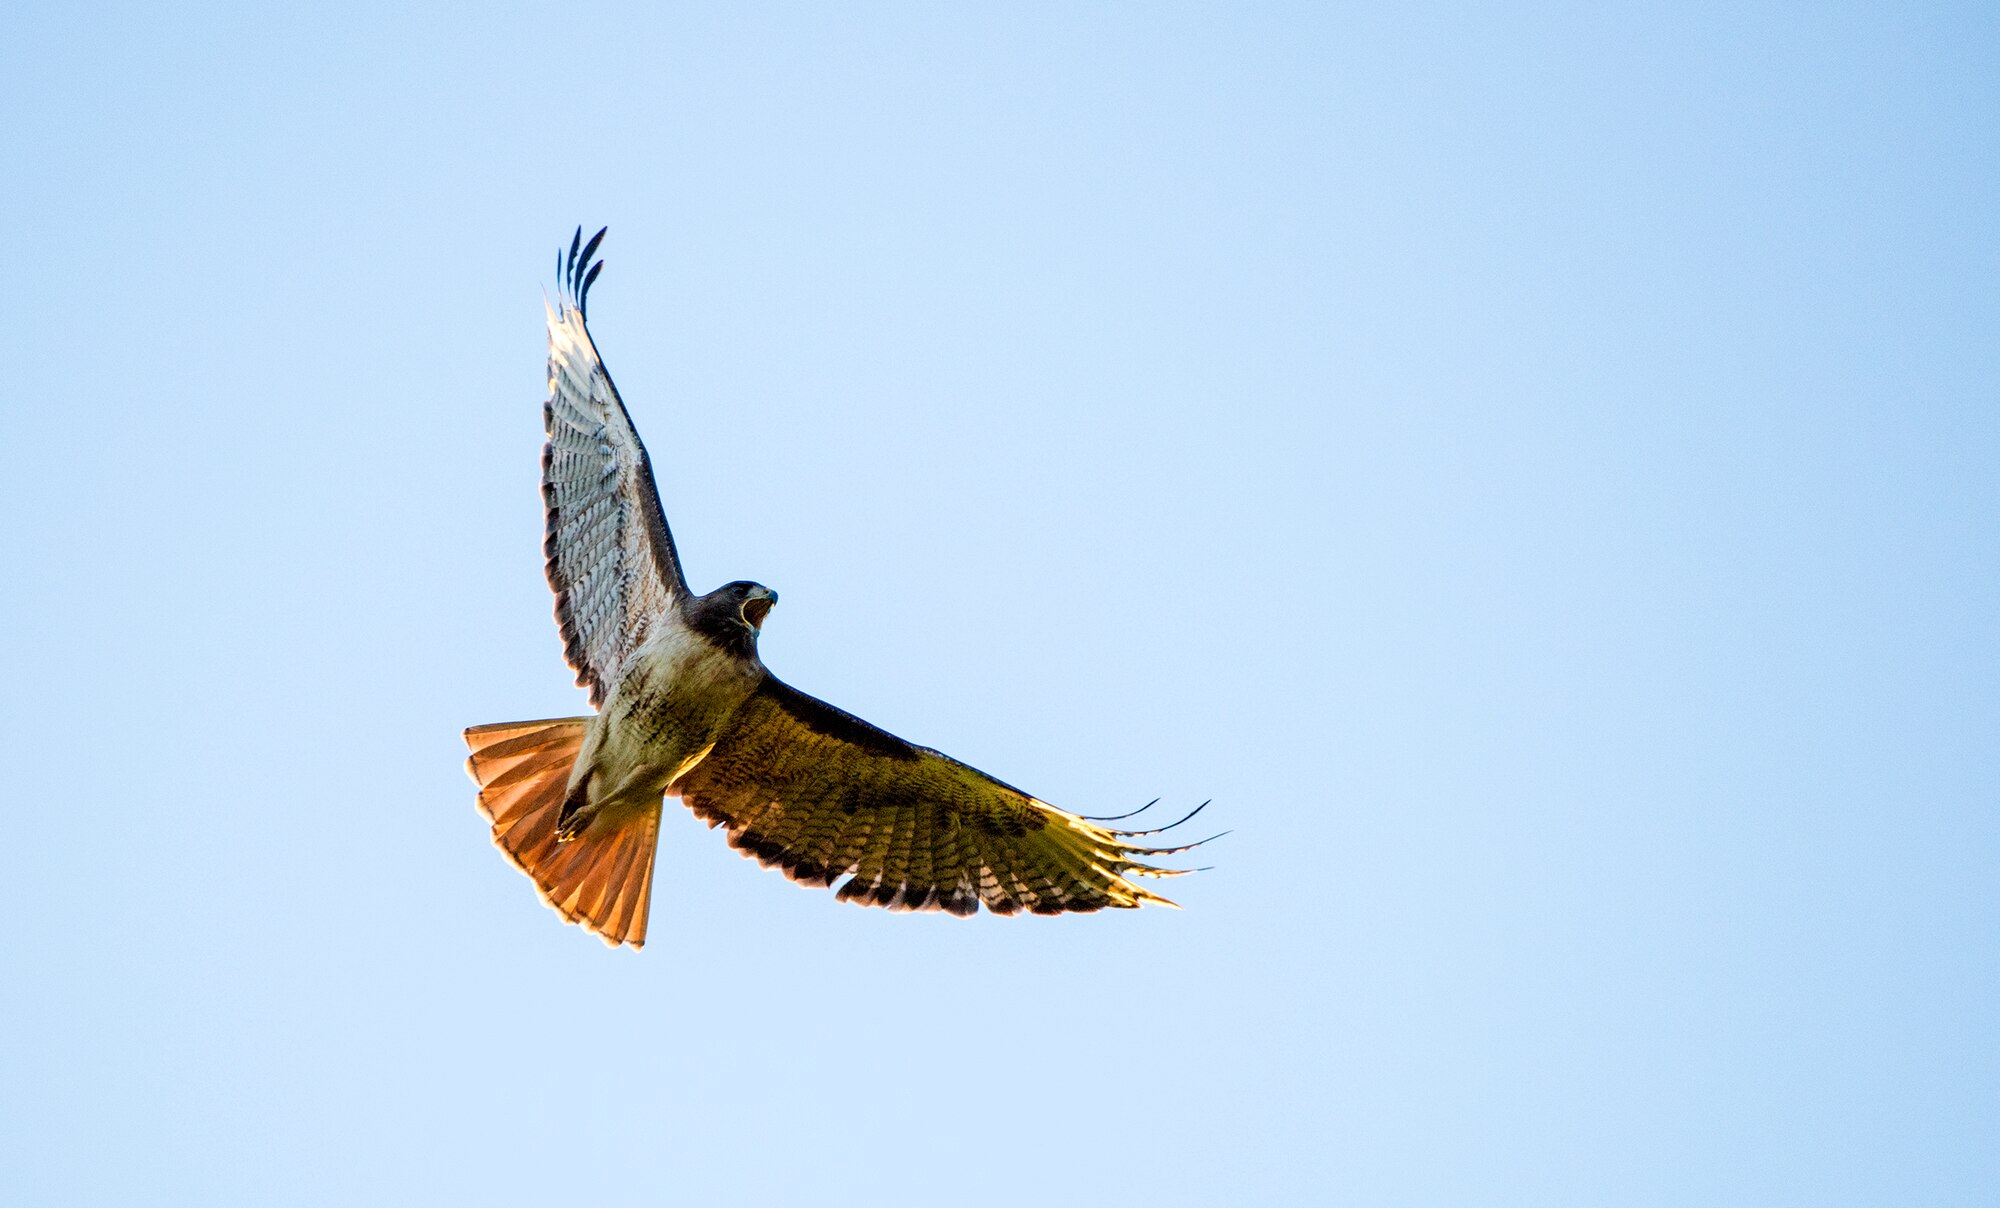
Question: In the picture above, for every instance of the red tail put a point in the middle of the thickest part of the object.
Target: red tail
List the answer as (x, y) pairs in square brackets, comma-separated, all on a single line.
[(603, 878)]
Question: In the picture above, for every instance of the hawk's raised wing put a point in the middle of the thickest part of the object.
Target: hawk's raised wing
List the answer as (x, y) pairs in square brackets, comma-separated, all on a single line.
[(819, 794), (611, 559)]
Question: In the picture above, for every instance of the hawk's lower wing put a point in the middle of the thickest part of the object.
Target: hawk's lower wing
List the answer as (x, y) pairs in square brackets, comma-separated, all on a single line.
[(819, 794)]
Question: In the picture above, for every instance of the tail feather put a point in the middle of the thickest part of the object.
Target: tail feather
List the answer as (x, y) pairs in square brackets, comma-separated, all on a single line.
[(603, 878)]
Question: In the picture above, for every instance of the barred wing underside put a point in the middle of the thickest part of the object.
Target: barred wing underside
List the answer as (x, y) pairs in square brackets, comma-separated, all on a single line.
[(611, 559)]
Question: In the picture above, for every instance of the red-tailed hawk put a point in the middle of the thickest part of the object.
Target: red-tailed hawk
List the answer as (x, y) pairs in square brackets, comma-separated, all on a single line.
[(686, 708)]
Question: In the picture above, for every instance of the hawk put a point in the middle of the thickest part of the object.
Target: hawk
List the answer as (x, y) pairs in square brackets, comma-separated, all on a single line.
[(686, 708)]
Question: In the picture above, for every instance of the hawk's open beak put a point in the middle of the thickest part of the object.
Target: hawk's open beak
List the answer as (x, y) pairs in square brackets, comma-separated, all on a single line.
[(758, 606)]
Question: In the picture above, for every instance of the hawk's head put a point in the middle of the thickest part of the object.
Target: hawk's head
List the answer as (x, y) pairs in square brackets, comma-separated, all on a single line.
[(731, 615)]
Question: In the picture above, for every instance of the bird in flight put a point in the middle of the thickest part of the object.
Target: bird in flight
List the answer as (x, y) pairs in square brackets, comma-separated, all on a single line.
[(686, 708)]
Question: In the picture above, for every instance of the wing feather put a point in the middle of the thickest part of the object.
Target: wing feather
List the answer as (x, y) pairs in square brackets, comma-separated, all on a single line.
[(610, 556), (821, 795)]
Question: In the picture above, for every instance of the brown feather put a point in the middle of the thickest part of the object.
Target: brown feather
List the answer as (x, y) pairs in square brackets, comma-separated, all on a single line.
[(820, 795)]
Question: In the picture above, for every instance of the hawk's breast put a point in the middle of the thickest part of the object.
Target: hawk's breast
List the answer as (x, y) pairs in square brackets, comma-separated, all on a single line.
[(677, 693)]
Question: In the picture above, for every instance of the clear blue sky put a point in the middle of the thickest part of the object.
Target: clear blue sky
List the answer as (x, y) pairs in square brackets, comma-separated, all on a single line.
[(1534, 466)]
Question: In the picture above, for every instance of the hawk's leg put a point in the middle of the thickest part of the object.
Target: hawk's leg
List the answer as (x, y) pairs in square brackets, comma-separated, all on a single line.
[(576, 812)]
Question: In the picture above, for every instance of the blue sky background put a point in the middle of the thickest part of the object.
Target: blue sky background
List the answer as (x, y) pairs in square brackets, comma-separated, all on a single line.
[(1534, 466)]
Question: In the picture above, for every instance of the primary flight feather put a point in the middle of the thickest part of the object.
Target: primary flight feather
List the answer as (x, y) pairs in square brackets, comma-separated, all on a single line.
[(686, 708)]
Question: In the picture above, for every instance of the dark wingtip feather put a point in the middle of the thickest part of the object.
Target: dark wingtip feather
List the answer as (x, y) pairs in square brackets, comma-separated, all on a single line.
[(1121, 817), (583, 295), (572, 282), (590, 249), (1169, 851), (1169, 826)]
